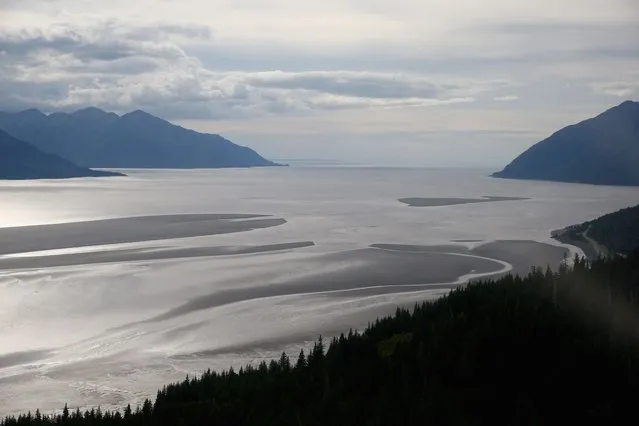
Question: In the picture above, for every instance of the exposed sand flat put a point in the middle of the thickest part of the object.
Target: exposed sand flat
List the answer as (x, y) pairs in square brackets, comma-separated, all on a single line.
[(438, 202), (17, 358), (381, 269), (423, 249), (365, 271), (132, 255), (127, 230), (523, 254)]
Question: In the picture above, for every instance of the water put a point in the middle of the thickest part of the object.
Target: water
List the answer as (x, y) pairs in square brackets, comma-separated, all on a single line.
[(81, 334)]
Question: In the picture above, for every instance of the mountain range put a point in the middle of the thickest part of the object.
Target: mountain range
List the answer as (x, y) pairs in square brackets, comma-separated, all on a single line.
[(91, 137), (20, 160), (603, 150)]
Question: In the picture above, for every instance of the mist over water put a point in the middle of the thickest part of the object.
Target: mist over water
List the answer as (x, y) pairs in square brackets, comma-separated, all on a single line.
[(110, 323)]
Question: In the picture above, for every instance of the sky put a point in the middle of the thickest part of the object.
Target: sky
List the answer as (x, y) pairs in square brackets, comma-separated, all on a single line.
[(402, 82)]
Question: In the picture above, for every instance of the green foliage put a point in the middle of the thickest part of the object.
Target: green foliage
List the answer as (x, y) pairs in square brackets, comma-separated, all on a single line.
[(548, 348)]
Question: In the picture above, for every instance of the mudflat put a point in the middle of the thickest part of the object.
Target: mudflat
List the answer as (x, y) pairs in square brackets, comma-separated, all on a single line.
[(521, 254), (439, 202), (139, 255), (354, 272), (127, 230)]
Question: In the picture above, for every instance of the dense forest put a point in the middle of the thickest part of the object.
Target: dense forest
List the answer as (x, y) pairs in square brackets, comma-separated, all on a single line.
[(542, 349), (616, 232)]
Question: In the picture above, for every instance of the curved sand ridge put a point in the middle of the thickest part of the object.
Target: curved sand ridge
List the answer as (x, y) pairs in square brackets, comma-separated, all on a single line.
[(385, 269)]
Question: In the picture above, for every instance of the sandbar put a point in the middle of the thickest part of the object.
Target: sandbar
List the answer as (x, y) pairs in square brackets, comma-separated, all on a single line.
[(23, 239), (439, 202), (521, 254), (524, 254), (362, 271), (138, 255), (24, 357)]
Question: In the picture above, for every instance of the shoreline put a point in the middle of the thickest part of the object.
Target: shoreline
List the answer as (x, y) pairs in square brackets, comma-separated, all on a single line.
[(573, 236)]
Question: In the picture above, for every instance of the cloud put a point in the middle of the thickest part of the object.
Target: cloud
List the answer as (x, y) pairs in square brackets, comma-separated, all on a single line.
[(560, 40), (621, 89), (119, 67), (105, 41), (345, 83), (507, 98)]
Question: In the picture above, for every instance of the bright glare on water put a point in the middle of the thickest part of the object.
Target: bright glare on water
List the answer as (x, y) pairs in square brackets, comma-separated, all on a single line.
[(108, 333)]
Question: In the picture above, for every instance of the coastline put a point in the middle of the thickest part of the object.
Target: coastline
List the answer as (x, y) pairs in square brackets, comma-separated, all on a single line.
[(574, 236)]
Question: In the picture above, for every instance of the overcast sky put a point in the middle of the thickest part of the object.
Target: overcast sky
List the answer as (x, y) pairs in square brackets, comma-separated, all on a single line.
[(416, 82)]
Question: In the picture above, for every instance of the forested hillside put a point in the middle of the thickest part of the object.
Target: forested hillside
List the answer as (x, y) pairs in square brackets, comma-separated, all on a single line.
[(537, 350), (616, 232)]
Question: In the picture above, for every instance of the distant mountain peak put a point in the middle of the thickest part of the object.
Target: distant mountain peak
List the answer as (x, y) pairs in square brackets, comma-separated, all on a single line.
[(94, 114), (90, 111), (628, 103), (143, 117), (602, 150), (139, 113), (31, 112), (630, 106), (627, 110), (94, 138)]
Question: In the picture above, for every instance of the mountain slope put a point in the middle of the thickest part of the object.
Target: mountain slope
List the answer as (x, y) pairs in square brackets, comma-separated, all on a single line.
[(94, 138), (19, 160), (603, 150)]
